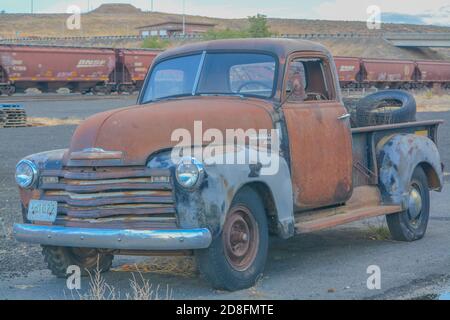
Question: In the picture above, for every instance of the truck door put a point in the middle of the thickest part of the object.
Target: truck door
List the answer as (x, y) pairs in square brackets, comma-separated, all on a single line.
[(319, 134)]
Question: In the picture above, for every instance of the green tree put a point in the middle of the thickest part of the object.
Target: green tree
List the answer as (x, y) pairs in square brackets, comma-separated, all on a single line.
[(225, 34), (155, 43), (258, 26)]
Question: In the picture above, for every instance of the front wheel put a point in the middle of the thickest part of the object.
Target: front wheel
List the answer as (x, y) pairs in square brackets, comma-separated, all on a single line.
[(411, 224), (236, 257), (89, 260)]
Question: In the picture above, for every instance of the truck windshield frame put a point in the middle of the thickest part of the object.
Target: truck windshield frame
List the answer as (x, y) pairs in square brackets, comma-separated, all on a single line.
[(209, 73)]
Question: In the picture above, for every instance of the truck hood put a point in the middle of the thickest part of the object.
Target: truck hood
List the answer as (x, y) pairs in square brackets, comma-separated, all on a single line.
[(138, 131)]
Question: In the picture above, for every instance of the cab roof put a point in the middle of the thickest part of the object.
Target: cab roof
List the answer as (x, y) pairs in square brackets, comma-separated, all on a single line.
[(278, 46)]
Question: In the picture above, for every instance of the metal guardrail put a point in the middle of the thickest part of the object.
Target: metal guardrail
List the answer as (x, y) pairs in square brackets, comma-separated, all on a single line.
[(189, 37), (388, 35), (93, 38)]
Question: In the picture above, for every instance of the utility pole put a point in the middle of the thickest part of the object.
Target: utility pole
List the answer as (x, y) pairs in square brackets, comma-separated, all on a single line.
[(152, 6), (31, 6), (184, 17)]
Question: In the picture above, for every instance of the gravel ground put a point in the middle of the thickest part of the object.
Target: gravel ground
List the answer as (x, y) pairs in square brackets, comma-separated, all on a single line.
[(339, 247), (15, 144)]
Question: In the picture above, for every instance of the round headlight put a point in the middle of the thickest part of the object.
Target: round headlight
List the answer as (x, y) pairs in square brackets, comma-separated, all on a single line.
[(188, 172), (26, 173)]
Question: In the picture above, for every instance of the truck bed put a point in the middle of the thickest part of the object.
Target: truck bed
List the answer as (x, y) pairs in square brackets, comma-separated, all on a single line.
[(365, 140)]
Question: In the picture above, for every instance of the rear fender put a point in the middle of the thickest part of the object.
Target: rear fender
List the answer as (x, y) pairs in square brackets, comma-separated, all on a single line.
[(397, 159)]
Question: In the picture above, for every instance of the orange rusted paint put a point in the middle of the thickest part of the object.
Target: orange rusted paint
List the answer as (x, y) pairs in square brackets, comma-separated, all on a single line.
[(144, 129), (365, 202), (95, 155), (321, 161)]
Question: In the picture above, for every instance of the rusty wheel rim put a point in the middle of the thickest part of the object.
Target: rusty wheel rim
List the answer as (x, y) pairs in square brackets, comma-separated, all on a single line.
[(240, 238)]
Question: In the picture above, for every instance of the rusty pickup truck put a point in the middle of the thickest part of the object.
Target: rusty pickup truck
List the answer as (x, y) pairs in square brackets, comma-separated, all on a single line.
[(120, 188)]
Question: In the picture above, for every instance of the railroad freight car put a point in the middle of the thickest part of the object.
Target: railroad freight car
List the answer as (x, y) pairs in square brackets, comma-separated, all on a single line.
[(381, 73), (131, 68), (431, 73), (50, 68), (348, 69)]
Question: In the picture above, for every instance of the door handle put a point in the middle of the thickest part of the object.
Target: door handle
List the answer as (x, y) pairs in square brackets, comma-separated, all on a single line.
[(344, 116)]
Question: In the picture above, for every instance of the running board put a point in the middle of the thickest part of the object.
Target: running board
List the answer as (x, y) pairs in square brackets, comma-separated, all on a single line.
[(365, 203)]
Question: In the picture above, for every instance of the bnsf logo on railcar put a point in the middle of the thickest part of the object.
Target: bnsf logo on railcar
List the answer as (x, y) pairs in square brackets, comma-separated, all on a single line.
[(87, 63), (346, 68)]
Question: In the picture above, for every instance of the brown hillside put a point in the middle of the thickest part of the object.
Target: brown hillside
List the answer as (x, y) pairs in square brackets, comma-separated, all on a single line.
[(123, 19), (119, 8)]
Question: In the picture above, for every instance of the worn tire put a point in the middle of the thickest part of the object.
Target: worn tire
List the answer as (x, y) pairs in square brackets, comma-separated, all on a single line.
[(370, 109), (214, 262), (400, 224), (58, 259)]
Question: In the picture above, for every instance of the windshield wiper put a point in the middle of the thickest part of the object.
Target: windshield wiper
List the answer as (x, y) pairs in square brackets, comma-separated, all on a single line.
[(175, 96), (222, 95)]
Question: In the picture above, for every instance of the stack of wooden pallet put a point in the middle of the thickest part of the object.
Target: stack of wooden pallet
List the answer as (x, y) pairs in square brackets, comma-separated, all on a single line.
[(12, 115)]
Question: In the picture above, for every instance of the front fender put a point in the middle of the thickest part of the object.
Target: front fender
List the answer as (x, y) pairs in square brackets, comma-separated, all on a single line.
[(49, 160), (398, 156), (208, 205)]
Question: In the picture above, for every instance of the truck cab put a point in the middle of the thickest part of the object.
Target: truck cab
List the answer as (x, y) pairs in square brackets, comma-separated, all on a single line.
[(230, 141)]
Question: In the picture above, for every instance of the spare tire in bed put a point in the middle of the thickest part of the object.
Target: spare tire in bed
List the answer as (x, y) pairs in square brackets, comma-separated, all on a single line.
[(385, 107)]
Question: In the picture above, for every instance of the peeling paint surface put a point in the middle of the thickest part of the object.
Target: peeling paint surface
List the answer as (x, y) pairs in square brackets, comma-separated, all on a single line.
[(398, 157)]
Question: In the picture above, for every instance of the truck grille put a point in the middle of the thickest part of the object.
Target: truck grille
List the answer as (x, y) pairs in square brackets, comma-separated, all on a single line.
[(137, 198)]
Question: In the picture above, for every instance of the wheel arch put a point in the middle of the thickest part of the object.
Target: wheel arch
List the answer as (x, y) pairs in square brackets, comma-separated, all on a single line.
[(275, 190), (265, 194), (434, 181), (398, 157)]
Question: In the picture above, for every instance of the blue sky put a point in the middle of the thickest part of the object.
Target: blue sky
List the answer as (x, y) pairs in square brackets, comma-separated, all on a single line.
[(417, 11)]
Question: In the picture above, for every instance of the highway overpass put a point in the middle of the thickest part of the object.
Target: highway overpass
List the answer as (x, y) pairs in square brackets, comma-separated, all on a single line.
[(437, 40)]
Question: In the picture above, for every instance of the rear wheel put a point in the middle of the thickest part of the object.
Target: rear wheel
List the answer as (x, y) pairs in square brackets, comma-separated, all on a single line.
[(236, 257), (411, 224), (58, 259)]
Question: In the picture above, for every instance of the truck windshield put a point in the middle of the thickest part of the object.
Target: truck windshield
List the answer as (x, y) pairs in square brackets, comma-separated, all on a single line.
[(246, 74)]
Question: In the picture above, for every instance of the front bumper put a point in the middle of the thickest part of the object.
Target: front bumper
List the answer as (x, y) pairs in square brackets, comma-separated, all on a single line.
[(177, 239)]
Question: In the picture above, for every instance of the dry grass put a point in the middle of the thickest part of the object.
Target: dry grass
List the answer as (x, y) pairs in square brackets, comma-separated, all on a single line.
[(180, 266), (49, 122), (141, 289), (378, 230), (431, 101), (98, 288)]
